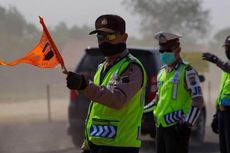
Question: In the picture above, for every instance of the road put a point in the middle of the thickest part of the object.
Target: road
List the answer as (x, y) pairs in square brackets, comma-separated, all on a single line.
[(44, 137), (24, 128)]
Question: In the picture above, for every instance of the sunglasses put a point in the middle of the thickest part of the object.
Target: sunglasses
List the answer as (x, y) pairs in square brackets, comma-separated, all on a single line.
[(108, 37)]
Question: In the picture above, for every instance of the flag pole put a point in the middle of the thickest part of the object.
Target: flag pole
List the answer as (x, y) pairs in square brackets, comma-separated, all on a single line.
[(60, 59)]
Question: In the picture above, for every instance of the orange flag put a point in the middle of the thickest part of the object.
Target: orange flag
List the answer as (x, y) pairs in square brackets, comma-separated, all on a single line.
[(45, 54)]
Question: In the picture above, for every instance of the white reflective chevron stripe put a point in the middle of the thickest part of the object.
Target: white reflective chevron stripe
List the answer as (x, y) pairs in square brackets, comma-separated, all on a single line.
[(149, 107), (99, 131), (178, 115), (173, 117), (167, 118), (113, 132), (193, 115), (103, 131), (94, 130), (106, 131)]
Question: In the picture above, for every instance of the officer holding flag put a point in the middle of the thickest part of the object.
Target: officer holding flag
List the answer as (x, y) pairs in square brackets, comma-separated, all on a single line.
[(117, 92)]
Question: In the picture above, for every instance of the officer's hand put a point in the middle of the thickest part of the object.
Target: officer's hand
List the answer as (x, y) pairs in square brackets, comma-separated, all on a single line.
[(214, 124), (76, 81), (210, 57), (183, 129)]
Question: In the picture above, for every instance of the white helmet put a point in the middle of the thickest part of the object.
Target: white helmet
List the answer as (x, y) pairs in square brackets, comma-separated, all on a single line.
[(163, 37)]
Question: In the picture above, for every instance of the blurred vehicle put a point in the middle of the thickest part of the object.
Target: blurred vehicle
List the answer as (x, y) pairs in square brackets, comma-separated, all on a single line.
[(78, 105)]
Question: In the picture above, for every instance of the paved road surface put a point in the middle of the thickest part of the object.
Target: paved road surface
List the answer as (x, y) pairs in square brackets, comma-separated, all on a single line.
[(24, 129), (44, 137)]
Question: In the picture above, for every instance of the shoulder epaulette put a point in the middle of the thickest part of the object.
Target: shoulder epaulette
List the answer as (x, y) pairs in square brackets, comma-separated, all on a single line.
[(185, 62), (189, 68), (131, 58), (163, 67), (102, 61)]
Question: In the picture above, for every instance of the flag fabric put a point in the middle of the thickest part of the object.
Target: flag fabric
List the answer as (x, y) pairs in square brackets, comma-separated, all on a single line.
[(45, 54)]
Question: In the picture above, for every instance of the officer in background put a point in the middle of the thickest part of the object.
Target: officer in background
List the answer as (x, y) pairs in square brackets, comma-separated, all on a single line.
[(117, 92), (179, 98), (221, 120)]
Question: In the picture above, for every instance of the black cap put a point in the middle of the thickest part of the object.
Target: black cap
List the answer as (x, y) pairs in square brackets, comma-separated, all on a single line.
[(109, 23), (227, 41)]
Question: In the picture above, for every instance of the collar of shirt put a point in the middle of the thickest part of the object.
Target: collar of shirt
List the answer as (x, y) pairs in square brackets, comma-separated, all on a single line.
[(111, 60), (175, 66)]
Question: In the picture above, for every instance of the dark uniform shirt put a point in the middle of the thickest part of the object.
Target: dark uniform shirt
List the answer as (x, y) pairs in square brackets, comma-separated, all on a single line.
[(119, 91), (225, 66)]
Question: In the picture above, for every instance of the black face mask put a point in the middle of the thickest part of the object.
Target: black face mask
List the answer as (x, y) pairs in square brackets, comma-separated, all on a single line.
[(227, 53), (109, 49)]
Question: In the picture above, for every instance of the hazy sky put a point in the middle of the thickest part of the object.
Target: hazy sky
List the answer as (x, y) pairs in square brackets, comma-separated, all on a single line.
[(80, 12)]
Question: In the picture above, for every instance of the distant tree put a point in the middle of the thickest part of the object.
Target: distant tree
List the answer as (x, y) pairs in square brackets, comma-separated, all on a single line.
[(80, 32), (15, 33), (19, 36), (186, 17), (62, 34), (13, 23)]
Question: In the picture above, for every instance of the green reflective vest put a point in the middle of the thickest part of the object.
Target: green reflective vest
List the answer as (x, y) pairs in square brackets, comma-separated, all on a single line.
[(224, 93), (174, 99), (111, 127)]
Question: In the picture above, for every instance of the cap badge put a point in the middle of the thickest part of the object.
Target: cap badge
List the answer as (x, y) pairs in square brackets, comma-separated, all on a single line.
[(104, 21), (162, 39)]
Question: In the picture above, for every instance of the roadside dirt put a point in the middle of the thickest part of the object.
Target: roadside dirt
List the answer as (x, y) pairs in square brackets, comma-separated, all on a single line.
[(25, 128)]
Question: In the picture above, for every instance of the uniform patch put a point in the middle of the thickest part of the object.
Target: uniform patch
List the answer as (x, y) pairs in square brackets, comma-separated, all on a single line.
[(193, 83), (196, 91), (192, 80), (162, 39)]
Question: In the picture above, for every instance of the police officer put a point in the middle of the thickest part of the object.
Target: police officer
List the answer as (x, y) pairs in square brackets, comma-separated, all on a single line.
[(179, 98), (221, 122), (117, 92)]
